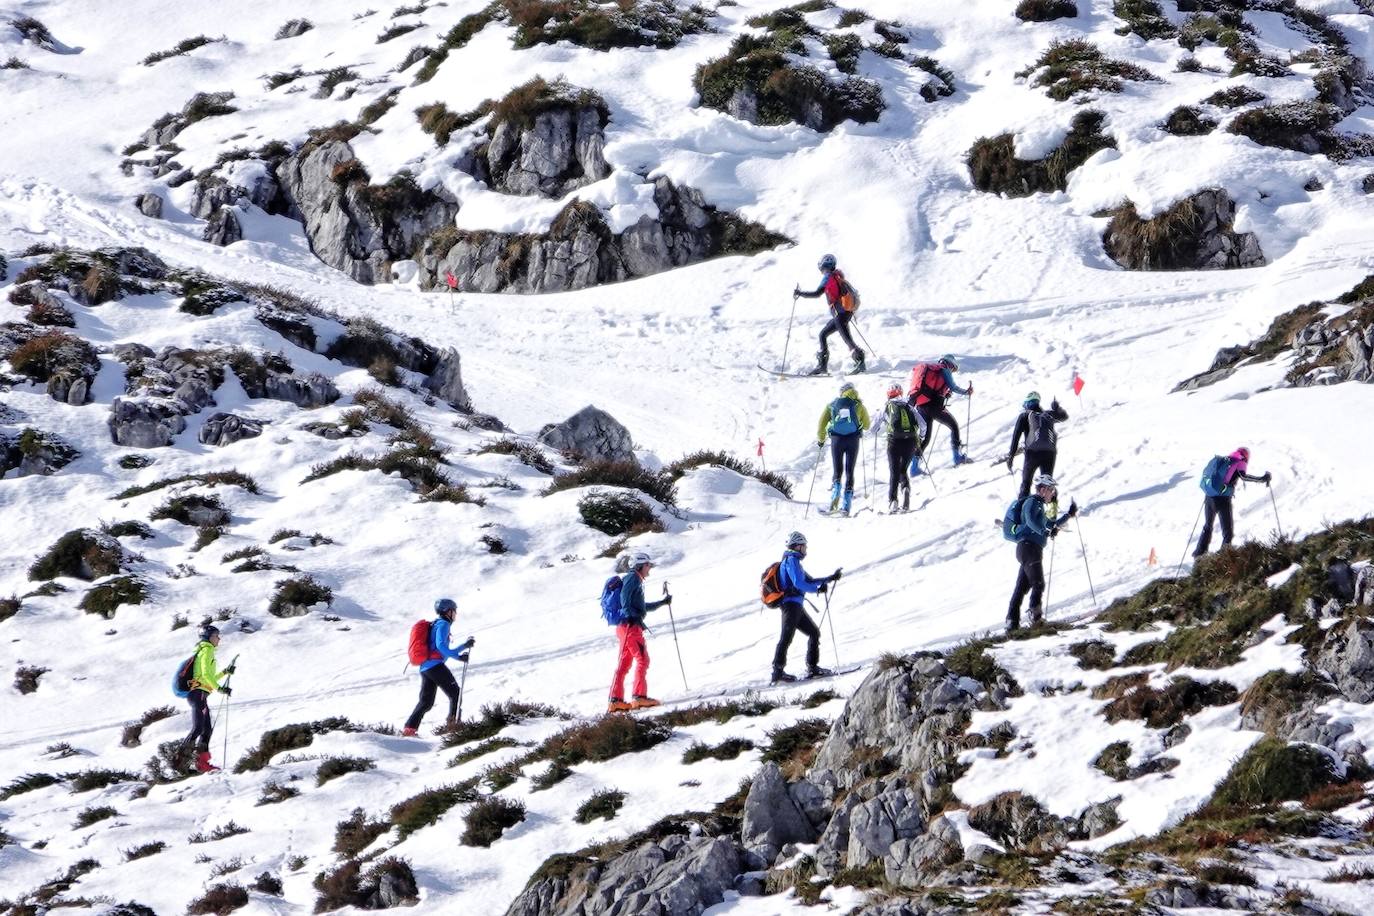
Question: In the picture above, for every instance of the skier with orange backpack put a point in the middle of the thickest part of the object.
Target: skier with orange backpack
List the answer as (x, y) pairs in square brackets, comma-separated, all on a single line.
[(786, 585), (843, 300), (931, 385), (429, 649)]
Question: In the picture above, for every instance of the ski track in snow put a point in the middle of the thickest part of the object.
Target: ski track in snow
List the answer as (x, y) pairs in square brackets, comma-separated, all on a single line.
[(1019, 289)]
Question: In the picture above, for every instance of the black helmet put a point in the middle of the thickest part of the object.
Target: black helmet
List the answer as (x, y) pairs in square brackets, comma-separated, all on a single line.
[(827, 262), (208, 631), (445, 606)]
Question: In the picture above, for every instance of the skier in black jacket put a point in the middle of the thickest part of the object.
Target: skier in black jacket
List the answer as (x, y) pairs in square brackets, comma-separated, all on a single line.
[(1042, 440)]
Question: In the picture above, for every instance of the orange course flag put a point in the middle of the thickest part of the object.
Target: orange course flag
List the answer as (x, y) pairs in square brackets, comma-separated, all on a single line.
[(1154, 560)]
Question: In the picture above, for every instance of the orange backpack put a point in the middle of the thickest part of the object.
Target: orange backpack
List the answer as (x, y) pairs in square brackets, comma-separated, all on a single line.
[(849, 296), (772, 588)]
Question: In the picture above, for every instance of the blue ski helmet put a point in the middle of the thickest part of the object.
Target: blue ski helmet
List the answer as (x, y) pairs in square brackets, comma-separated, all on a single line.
[(1031, 398), (445, 606), (827, 262)]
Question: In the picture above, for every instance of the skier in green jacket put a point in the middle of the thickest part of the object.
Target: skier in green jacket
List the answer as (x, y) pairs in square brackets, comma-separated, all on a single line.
[(205, 679), (845, 419)]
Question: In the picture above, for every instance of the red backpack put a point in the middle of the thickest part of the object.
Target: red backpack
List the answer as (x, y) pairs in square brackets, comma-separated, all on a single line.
[(418, 650), (927, 382)]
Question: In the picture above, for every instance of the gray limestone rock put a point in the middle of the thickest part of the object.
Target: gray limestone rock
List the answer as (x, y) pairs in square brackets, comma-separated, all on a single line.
[(446, 381), (913, 862), (591, 434), (149, 204), (1197, 234), (883, 820), (771, 818), (227, 428), (145, 423), (223, 228), (1347, 657)]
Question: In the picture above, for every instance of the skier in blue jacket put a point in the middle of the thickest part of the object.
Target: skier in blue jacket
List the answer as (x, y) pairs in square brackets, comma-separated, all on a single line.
[(434, 674), (796, 584), (1032, 534)]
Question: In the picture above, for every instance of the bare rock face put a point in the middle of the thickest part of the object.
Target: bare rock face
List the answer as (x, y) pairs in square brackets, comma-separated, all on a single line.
[(560, 150), (676, 876), (771, 818), (223, 228), (1194, 234), (1347, 657), (353, 226), (227, 428), (150, 205), (139, 423), (446, 381), (591, 434), (161, 390), (33, 453)]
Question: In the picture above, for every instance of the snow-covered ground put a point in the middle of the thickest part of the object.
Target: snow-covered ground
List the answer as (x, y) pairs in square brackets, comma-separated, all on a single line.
[(1019, 290)]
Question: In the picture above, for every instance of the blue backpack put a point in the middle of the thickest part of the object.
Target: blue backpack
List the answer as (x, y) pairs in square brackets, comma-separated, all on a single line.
[(844, 416), (610, 601), (1214, 476), (181, 680), (1011, 522)]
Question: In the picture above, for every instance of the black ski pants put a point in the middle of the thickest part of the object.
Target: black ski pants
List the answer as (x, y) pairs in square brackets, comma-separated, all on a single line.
[(1037, 461), (1030, 578), (433, 680), (839, 321), (899, 452), (936, 410), (844, 455), (201, 724), (1214, 509), (794, 618)]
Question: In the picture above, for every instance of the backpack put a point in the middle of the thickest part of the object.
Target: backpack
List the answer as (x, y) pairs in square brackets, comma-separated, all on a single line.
[(900, 420), (1213, 481), (772, 585), (921, 384), (1011, 522), (181, 681), (418, 648), (849, 296), (1041, 433), (844, 420), (610, 601)]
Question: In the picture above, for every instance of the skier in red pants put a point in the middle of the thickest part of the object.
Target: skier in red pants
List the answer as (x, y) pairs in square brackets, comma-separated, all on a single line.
[(630, 633)]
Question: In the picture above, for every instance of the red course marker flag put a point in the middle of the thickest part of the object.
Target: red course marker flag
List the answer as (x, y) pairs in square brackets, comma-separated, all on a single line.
[(450, 279), (760, 446), (1077, 383)]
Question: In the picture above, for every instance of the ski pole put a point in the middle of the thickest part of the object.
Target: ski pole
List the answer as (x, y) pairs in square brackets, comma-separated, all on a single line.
[(463, 686), (1178, 572), (968, 424), (1086, 568), (855, 322), (788, 342), (673, 623), (820, 450), (1275, 503), (224, 709), (829, 593)]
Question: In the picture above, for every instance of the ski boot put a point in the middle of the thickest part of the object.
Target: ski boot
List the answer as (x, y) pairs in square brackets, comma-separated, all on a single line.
[(914, 469), (815, 671), (906, 498), (618, 705), (1037, 616), (781, 677), (859, 364), (960, 457), (203, 764), (847, 502), (822, 364), (892, 507), (408, 732), (835, 496), (643, 702)]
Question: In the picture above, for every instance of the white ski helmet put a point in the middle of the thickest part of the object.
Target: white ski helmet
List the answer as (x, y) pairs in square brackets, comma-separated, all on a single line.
[(641, 559), (1045, 480)]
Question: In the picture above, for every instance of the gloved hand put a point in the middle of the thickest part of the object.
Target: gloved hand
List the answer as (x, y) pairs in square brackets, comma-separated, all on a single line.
[(668, 600), (820, 590), (970, 389), (230, 669), (835, 576), (1266, 478), (1009, 460), (820, 444), (796, 291), (1073, 509), (463, 658), (227, 691), (472, 641), (1054, 532), (1054, 405)]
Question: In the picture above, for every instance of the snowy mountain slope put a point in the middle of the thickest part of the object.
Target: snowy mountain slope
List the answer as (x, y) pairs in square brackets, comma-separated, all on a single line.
[(1019, 289)]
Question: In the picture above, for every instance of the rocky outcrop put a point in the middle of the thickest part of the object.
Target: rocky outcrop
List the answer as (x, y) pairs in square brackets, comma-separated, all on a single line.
[(763, 86), (31, 452), (273, 377), (675, 876), (227, 428), (223, 228), (544, 139), (994, 166), (150, 205), (354, 226), (580, 250), (1194, 234), (591, 434), (1347, 657), (200, 106), (913, 861), (446, 381), (139, 423), (161, 391), (771, 818), (64, 364)]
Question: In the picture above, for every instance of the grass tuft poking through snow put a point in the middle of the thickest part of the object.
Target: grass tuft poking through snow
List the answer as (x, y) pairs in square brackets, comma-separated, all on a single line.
[(489, 818)]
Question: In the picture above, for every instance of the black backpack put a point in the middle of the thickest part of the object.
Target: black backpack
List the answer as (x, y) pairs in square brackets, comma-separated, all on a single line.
[(901, 420), (1041, 434)]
